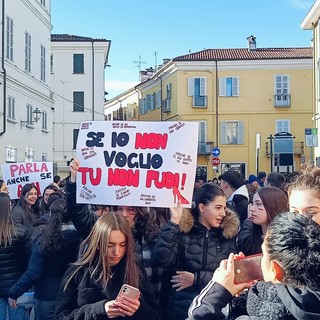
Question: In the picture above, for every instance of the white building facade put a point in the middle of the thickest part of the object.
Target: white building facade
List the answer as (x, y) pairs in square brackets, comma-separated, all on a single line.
[(25, 85), (311, 22), (78, 82)]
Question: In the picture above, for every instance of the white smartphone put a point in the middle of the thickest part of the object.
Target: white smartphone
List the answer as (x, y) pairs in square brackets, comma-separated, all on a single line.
[(129, 291)]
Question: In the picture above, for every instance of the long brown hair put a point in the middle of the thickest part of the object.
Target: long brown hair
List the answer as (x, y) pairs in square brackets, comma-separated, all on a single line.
[(7, 229), (95, 248), (274, 200)]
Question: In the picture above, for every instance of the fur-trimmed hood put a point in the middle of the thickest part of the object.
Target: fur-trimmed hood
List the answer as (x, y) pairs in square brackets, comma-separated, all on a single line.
[(230, 224)]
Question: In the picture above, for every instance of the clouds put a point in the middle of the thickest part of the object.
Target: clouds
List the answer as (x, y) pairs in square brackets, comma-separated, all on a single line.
[(301, 4)]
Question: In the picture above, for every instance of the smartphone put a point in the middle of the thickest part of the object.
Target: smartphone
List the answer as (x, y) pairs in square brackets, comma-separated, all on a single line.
[(248, 269), (129, 291)]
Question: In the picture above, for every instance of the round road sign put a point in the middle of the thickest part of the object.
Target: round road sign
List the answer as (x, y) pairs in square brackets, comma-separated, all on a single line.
[(215, 161)]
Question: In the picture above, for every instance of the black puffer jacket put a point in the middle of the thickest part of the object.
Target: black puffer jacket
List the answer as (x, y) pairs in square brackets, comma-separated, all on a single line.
[(46, 268), (14, 259), (84, 297), (250, 238), (193, 248)]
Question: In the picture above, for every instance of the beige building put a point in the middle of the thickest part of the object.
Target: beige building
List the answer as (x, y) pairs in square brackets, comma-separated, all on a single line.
[(242, 98)]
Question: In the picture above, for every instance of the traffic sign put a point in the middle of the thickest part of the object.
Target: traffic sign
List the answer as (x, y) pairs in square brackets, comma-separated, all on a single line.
[(215, 161), (215, 152)]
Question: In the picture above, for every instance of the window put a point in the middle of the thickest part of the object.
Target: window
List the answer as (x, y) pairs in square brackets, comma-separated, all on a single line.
[(197, 88), (158, 99), (150, 101), (28, 155), (11, 154), (282, 96), (27, 52), (9, 39), (44, 120), (229, 86), (231, 132), (78, 101), (42, 63), (43, 2), (78, 63), (29, 115), (203, 148), (11, 108), (142, 106), (167, 101), (75, 138), (282, 125)]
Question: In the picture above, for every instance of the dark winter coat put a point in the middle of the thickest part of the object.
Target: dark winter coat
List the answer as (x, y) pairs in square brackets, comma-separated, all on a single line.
[(192, 247), (84, 298), (265, 301), (250, 238), (14, 258), (46, 268), (34, 226)]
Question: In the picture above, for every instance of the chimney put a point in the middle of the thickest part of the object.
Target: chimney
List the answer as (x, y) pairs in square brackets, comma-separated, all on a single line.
[(252, 45)]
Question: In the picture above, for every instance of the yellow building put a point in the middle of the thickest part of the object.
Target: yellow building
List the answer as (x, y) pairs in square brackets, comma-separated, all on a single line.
[(241, 98)]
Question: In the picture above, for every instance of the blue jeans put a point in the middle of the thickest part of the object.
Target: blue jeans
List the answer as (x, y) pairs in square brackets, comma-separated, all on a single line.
[(45, 309), (19, 313)]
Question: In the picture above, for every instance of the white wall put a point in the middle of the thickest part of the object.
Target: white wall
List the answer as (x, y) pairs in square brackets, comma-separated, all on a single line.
[(64, 83), (27, 88)]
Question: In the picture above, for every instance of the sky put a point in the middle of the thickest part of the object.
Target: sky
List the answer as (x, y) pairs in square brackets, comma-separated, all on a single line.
[(150, 31)]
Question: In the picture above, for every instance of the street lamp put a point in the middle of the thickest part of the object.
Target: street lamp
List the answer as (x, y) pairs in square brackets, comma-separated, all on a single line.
[(36, 114)]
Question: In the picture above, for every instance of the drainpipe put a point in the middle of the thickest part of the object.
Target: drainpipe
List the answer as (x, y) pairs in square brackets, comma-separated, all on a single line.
[(161, 111), (4, 72), (217, 106), (92, 49), (139, 98)]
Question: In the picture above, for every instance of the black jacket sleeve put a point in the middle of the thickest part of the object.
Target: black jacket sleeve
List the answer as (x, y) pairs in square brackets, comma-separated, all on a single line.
[(166, 250), (36, 268), (80, 215), (209, 303)]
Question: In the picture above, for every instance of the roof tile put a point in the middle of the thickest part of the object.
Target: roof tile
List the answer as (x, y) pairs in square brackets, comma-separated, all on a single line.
[(245, 54)]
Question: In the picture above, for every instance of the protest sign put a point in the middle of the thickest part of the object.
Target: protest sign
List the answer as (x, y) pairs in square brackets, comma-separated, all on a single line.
[(137, 163), (16, 175)]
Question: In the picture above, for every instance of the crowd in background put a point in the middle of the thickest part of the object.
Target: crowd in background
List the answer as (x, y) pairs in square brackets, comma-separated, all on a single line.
[(73, 259)]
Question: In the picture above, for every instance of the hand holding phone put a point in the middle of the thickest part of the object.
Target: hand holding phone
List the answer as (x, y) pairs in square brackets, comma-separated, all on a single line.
[(248, 269), (128, 291)]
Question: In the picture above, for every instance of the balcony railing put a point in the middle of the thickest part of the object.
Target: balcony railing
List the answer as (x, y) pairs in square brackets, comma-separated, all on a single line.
[(282, 100), (298, 148)]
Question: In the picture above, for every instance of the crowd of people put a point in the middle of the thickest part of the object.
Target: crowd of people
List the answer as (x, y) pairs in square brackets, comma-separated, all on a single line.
[(74, 259)]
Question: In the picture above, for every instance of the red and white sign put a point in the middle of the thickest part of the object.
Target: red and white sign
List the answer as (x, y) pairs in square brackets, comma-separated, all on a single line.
[(215, 161)]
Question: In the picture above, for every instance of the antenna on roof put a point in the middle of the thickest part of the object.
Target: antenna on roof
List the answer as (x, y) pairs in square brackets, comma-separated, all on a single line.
[(139, 63)]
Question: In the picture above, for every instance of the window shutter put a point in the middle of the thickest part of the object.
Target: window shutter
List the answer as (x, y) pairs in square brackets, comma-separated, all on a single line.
[(223, 133), (141, 106), (202, 131), (169, 89), (190, 87), (235, 86), (203, 86), (240, 132), (222, 87)]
